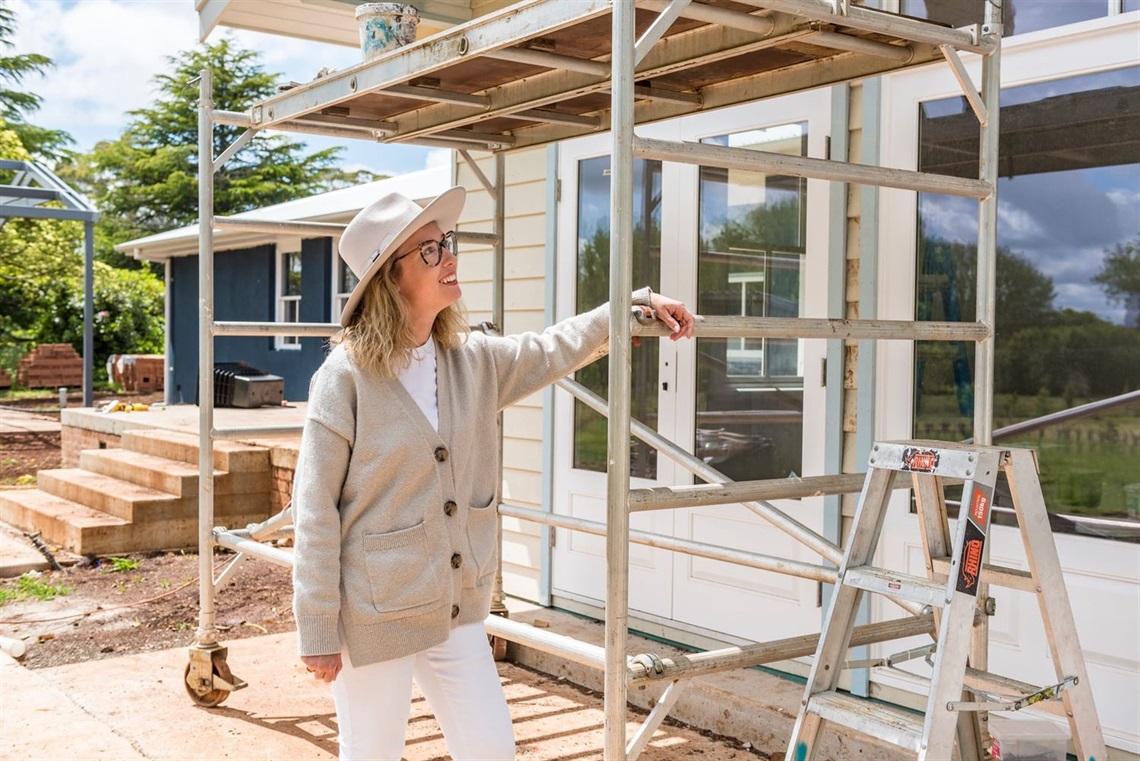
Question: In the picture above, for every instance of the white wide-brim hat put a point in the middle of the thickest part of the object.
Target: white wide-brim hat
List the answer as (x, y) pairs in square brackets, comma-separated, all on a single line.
[(383, 226)]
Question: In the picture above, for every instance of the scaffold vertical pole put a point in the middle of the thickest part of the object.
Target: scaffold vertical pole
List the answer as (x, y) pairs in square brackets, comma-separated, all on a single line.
[(207, 634), (617, 456), (987, 298)]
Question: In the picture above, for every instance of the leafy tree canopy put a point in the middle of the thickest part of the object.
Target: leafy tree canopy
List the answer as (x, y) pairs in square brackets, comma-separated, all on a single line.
[(1120, 273), (16, 103), (147, 181)]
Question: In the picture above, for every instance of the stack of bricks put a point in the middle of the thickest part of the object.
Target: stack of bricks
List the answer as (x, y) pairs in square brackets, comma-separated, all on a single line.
[(138, 372), (50, 366)]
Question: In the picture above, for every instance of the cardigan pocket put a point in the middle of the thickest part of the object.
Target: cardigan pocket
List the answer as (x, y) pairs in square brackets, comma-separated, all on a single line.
[(403, 578), (483, 533)]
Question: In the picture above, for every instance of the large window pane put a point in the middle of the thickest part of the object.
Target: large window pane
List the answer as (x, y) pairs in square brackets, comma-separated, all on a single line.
[(750, 390), (1068, 287), (594, 289), (1020, 16)]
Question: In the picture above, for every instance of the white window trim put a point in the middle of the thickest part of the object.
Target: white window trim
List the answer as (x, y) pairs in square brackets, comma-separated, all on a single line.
[(338, 296), (285, 247)]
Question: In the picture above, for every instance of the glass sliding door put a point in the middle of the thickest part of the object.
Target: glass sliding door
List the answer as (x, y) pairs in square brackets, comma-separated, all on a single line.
[(751, 244), (1068, 289)]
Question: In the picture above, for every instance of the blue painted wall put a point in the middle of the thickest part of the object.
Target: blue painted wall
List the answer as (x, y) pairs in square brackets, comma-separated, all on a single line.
[(244, 291)]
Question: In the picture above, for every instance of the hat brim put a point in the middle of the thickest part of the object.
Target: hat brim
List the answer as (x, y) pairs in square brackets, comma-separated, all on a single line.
[(444, 210)]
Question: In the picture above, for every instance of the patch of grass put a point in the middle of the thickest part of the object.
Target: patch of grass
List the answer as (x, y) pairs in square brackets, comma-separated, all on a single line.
[(119, 565), (29, 586)]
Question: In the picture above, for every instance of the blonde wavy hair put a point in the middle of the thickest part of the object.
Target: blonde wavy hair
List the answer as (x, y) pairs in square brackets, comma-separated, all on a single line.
[(379, 336)]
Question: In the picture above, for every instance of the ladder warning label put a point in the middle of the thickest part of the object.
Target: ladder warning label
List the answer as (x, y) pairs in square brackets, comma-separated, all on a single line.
[(922, 460), (980, 509), (971, 563)]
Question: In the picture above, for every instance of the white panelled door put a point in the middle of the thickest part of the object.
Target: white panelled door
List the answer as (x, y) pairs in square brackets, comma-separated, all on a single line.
[(726, 243)]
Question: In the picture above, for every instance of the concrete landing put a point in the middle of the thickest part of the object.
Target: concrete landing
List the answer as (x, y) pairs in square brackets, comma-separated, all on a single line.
[(134, 707)]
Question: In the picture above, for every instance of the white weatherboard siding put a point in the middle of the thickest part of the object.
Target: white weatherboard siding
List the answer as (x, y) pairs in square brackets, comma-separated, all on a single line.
[(524, 305)]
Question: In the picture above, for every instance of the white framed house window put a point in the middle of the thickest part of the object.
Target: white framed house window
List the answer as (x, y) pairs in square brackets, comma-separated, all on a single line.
[(288, 292), (344, 280)]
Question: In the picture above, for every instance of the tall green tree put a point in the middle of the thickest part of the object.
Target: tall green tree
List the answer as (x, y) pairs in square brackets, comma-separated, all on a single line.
[(1120, 274), (17, 103), (147, 181)]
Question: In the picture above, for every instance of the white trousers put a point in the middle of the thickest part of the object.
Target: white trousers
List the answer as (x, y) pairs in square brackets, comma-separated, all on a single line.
[(461, 684)]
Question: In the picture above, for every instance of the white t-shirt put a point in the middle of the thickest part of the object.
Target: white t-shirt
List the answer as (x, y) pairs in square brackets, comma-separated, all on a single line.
[(420, 381)]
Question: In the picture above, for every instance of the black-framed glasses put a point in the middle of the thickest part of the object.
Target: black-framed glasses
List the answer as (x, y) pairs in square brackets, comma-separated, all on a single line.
[(431, 251)]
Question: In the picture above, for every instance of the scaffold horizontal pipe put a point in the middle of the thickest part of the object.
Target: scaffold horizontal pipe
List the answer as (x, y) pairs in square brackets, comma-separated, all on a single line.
[(232, 118), (672, 497), (683, 546), (1009, 578), (268, 552), (318, 229), (481, 239), (761, 25), (272, 525), (254, 432), (725, 659), (837, 41), (805, 327), (551, 61), (547, 641), (882, 22), (703, 154), (439, 96), (300, 329)]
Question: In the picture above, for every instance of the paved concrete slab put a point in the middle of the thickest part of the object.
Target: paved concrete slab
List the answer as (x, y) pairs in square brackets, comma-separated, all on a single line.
[(22, 421), (183, 417), (134, 707)]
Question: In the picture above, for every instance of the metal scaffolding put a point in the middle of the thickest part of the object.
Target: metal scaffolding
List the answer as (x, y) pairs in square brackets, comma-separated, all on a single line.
[(539, 72)]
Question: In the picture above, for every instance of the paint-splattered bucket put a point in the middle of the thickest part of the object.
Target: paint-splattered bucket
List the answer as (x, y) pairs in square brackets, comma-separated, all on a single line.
[(385, 26)]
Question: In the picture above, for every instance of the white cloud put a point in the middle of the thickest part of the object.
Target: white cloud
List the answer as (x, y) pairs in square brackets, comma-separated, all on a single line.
[(438, 157), (107, 53)]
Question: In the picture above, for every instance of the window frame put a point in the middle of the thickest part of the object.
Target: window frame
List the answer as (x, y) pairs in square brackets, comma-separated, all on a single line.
[(286, 248)]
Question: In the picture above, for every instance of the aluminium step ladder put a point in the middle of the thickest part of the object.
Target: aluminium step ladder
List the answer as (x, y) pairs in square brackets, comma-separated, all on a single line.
[(954, 573)]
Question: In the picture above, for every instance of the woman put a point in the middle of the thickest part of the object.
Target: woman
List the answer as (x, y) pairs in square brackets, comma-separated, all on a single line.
[(394, 500)]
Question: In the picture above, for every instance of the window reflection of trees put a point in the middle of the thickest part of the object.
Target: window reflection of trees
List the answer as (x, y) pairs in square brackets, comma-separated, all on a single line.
[(590, 430), (1050, 355), (750, 391)]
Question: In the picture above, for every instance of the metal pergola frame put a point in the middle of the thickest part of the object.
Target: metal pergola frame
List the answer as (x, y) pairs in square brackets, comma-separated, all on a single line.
[(858, 42), (33, 186)]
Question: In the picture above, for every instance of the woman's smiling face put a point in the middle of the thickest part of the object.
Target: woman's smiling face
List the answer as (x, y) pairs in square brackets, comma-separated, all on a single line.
[(427, 290)]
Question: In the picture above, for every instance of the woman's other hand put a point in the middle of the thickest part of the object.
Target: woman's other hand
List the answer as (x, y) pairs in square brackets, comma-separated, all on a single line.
[(674, 314), (323, 667)]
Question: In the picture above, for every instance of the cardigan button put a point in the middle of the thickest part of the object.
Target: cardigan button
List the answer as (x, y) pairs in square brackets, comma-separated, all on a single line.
[(449, 508), (456, 560), (441, 454), (455, 611)]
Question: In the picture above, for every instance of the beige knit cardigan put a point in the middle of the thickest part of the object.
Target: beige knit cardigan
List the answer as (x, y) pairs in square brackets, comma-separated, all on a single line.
[(396, 526)]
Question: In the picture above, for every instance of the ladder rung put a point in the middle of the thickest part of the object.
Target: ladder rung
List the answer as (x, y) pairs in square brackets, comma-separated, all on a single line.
[(890, 724), (887, 582)]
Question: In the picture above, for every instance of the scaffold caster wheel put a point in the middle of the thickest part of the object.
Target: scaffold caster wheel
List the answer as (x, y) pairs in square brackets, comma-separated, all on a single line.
[(499, 648), (218, 695)]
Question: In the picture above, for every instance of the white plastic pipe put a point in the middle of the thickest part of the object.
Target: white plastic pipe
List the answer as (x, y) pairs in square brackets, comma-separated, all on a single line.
[(13, 647)]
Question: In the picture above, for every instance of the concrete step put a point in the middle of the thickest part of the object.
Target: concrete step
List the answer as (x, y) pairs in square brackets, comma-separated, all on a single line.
[(229, 456), (136, 503), (63, 523), (169, 476), (123, 499)]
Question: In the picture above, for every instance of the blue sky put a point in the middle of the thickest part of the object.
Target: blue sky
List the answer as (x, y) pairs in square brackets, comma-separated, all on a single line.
[(107, 52)]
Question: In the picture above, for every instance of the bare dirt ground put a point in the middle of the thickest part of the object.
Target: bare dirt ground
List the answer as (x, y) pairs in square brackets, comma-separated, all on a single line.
[(139, 603)]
